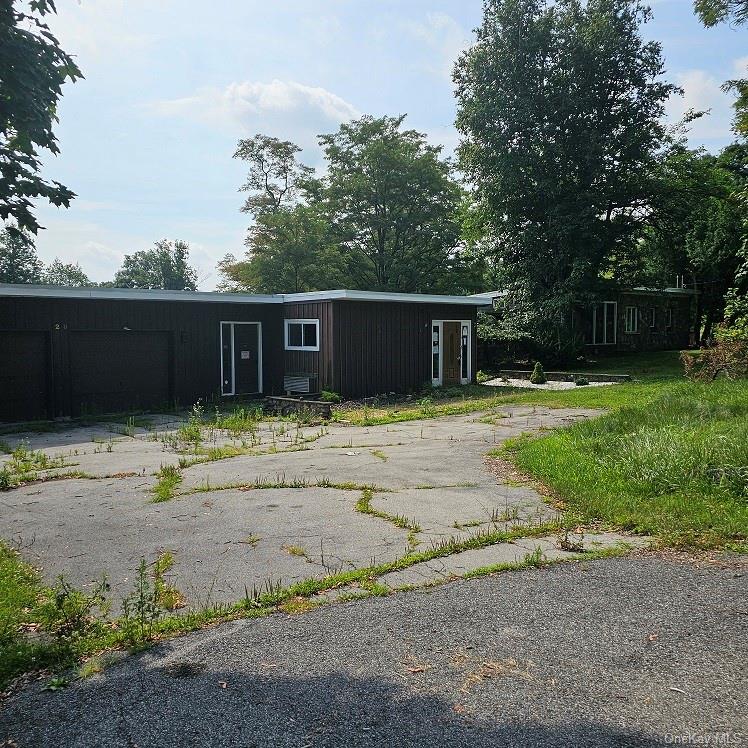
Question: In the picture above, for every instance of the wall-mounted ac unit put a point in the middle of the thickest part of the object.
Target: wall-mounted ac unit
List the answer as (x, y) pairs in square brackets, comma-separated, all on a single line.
[(300, 384)]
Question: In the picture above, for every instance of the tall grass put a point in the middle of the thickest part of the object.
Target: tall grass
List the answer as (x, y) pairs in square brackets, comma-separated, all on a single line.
[(675, 466)]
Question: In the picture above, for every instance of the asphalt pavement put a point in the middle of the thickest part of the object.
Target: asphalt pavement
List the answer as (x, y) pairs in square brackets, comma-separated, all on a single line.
[(638, 651)]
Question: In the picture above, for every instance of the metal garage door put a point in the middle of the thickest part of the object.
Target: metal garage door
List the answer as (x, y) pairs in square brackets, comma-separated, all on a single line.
[(113, 371), (24, 375)]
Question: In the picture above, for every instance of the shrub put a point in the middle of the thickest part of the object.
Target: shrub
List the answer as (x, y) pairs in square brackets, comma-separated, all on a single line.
[(728, 358), (538, 375), (330, 397), (581, 381)]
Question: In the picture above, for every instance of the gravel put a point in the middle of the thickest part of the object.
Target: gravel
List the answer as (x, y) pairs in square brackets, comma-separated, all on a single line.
[(639, 651)]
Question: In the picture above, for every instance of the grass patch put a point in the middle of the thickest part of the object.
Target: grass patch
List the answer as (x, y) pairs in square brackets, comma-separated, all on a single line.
[(26, 465), (674, 466), (169, 479)]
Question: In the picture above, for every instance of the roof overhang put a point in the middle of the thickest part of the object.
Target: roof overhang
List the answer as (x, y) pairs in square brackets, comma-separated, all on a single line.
[(140, 294)]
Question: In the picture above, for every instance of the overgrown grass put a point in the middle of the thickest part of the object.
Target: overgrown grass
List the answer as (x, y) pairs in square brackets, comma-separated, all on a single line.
[(674, 465), (169, 478)]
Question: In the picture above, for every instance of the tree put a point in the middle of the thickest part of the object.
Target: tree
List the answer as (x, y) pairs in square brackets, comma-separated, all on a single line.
[(275, 177), (164, 266), (695, 226), (33, 69), (58, 273), (392, 205), (18, 260), (713, 12), (289, 251), (560, 110)]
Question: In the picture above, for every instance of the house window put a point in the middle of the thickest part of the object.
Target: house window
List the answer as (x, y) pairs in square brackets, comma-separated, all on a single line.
[(632, 320), (668, 318), (652, 318), (302, 334)]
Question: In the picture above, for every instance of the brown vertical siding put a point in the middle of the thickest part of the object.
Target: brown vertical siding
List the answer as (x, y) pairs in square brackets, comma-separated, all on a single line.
[(319, 363), (386, 347)]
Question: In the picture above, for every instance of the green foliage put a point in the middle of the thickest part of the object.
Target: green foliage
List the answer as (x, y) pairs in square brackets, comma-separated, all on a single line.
[(673, 466), (560, 109), (696, 226), (330, 397), (58, 273), (34, 69), (581, 381), (392, 203), (275, 179), (69, 614), (164, 266), (141, 609), (289, 250), (538, 375), (713, 12), (169, 478), (18, 259)]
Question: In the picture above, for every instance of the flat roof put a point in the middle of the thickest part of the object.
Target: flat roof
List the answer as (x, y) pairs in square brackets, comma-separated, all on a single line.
[(145, 294)]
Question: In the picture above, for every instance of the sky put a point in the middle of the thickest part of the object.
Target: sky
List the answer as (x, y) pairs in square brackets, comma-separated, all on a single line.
[(147, 137)]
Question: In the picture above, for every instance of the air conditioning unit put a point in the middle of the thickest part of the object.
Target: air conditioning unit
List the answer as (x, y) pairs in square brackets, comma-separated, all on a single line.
[(300, 384)]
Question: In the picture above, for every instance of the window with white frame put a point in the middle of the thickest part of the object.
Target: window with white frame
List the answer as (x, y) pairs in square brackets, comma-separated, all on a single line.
[(632, 319), (669, 317), (652, 318), (302, 334)]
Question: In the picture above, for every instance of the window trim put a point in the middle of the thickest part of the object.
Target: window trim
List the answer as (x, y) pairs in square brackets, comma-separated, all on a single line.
[(669, 318), (288, 322), (605, 312), (653, 318), (631, 329)]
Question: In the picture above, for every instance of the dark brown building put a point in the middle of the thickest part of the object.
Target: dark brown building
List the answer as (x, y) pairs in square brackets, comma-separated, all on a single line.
[(641, 319), (75, 351)]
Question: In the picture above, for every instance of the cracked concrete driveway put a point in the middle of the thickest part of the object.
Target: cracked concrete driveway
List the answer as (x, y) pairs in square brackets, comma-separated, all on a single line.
[(229, 531)]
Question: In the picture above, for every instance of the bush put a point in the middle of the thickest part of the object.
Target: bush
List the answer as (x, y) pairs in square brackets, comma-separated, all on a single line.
[(581, 381), (728, 358), (538, 375), (330, 397)]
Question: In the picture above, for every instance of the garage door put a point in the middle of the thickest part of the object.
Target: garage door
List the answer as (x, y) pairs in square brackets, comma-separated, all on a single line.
[(118, 371), (24, 375)]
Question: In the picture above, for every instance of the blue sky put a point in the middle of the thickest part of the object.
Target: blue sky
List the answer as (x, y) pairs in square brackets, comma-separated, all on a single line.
[(170, 86)]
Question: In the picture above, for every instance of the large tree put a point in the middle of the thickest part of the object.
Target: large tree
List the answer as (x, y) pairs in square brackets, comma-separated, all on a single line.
[(392, 204), (164, 266), (275, 178), (560, 110), (290, 250), (33, 70), (18, 259), (59, 273)]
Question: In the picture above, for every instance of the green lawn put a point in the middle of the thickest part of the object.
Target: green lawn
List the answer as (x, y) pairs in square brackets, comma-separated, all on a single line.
[(673, 464)]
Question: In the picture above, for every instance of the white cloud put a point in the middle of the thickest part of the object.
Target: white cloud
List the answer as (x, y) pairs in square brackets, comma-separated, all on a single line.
[(282, 108), (445, 36), (703, 92), (94, 30)]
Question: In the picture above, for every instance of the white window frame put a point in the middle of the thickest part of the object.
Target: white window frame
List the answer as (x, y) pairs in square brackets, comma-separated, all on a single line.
[(605, 307), (437, 381), (669, 318), (287, 323), (652, 317), (631, 329), (233, 358)]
